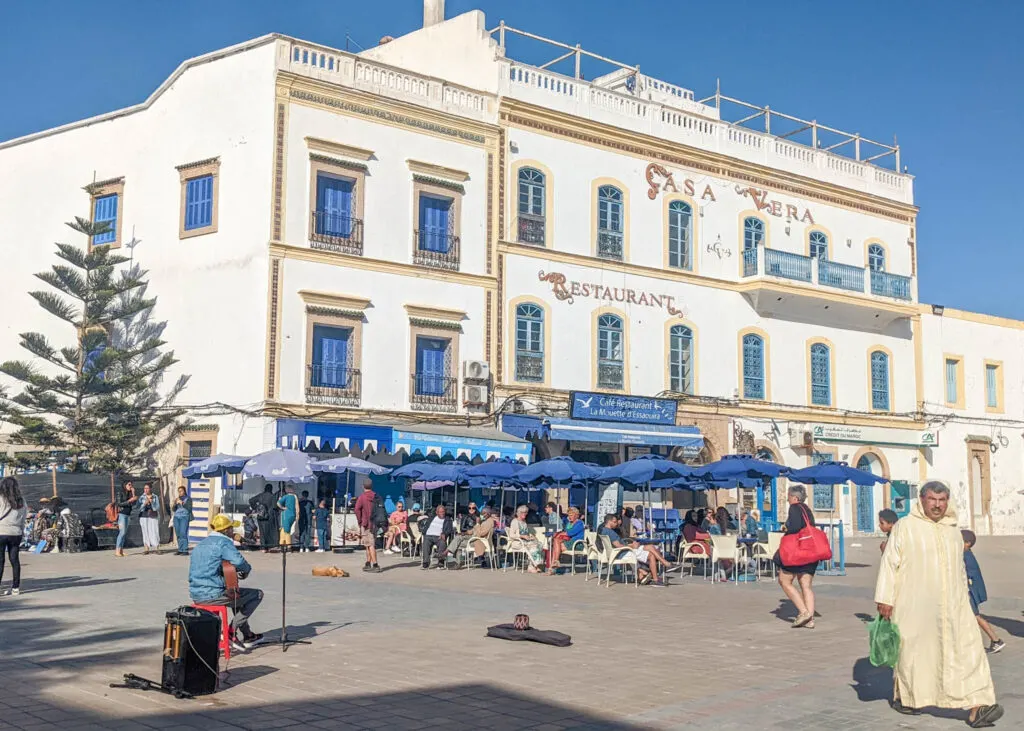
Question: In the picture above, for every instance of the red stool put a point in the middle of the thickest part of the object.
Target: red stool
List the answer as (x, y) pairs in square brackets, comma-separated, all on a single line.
[(220, 610)]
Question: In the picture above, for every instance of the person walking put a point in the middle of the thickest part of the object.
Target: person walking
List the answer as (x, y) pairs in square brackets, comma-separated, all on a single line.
[(125, 501), (182, 516), (288, 504), (265, 507), (305, 522), (978, 593), (922, 588), (365, 508), (149, 519), (12, 527), (796, 581)]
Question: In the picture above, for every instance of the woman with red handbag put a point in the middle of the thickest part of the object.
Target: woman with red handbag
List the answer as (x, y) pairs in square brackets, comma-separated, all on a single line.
[(796, 579)]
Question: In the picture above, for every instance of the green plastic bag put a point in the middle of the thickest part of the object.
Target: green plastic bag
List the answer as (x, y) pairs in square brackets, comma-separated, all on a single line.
[(884, 637)]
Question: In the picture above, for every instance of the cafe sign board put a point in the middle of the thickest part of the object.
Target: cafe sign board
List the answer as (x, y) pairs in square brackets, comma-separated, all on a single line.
[(633, 409), (875, 435)]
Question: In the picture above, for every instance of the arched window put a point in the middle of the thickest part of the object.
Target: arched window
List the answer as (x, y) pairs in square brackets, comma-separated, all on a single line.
[(753, 233), (821, 375), (680, 359), (876, 258), (753, 367), (680, 235), (531, 206), (529, 342), (610, 226), (610, 352), (818, 245), (880, 381)]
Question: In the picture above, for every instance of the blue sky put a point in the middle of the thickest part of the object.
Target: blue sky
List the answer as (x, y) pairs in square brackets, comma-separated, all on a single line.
[(944, 76)]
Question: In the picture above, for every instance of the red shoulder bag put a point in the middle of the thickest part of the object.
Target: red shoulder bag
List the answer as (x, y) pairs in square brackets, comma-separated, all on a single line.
[(808, 545)]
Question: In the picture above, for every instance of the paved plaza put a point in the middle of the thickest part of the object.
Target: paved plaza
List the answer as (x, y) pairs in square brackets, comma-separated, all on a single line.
[(405, 649)]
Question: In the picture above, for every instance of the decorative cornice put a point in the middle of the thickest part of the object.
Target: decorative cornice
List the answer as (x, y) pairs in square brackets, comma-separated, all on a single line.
[(435, 324), (198, 164), (385, 115), (335, 312), (336, 301), (337, 148), (201, 427), (440, 183), (91, 188), (437, 171), (336, 162), (352, 261), (435, 313)]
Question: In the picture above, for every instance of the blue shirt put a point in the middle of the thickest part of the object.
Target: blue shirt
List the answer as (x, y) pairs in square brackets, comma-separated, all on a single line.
[(323, 517), (574, 531), (975, 581), (205, 578), (611, 535)]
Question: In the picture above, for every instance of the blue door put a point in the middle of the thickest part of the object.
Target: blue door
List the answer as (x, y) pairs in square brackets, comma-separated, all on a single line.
[(333, 206), (866, 508)]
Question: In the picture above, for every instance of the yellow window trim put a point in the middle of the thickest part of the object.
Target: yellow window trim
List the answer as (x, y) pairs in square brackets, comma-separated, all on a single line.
[(337, 148), (1000, 406), (437, 171), (594, 346), (338, 301), (892, 387), (511, 339), (959, 403), (831, 372), (695, 355), (549, 201), (766, 338)]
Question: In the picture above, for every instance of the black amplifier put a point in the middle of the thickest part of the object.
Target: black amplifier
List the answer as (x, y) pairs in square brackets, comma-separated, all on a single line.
[(191, 651)]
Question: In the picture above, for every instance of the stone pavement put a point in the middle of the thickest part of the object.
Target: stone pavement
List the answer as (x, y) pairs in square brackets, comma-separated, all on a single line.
[(405, 649)]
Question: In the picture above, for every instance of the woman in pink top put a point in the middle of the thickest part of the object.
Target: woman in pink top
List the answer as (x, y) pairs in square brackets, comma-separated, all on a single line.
[(398, 523)]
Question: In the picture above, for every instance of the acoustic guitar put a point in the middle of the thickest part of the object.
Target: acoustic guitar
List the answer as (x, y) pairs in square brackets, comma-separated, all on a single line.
[(230, 579)]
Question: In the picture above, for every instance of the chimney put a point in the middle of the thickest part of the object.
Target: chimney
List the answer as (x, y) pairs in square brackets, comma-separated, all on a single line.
[(433, 12)]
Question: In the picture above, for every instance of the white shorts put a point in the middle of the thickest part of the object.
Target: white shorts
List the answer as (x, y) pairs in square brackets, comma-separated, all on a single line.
[(642, 554)]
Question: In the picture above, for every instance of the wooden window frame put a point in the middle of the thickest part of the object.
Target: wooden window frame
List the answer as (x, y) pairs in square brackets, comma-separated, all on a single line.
[(101, 189)]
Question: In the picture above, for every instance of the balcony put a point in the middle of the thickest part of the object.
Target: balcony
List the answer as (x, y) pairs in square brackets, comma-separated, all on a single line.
[(434, 393), (332, 386), (436, 248), (875, 299), (530, 229), (529, 366), (609, 244), (610, 374), (337, 233)]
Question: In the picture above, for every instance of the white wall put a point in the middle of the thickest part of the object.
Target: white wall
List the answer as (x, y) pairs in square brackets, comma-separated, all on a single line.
[(211, 289), (389, 207), (574, 167), (386, 375), (977, 342), (717, 315)]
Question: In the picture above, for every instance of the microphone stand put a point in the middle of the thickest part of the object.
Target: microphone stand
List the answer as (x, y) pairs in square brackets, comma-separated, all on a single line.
[(285, 642)]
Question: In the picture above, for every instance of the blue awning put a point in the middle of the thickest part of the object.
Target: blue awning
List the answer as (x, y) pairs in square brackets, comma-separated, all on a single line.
[(579, 430), (445, 442)]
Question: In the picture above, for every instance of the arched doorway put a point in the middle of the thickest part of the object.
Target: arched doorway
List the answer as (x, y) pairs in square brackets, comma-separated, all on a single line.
[(869, 462)]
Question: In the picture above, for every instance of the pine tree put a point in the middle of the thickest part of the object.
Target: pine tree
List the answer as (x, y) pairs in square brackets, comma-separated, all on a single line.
[(98, 397)]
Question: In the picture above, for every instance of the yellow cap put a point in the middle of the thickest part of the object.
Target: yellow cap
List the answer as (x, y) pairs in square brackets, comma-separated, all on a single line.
[(221, 522)]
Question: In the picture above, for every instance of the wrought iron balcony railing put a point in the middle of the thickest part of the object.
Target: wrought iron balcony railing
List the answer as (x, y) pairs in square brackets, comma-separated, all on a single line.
[(436, 248), (434, 393), (609, 244), (840, 276), (332, 385), (884, 284), (531, 229), (610, 374), (529, 366), (337, 233)]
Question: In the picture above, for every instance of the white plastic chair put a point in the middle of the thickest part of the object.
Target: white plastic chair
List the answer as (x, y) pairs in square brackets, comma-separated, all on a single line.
[(576, 548), (617, 557), (724, 548), (691, 552), (470, 553)]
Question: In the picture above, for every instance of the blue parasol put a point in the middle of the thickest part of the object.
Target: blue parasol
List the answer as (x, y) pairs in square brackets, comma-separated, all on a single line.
[(645, 469), (215, 466), (834, 473), (340, 465), (740, 466), (557, 470)]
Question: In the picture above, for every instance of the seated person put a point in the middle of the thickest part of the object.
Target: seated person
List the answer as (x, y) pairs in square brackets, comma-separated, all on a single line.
[(721, 524), (206, 579), (398, 523), (437, 532), (692, 534), (637, 526), (522, 538), (748, 523), (648, 558), (532, 517), (551, 521), (483, 529), (574, 529), (470, 518)]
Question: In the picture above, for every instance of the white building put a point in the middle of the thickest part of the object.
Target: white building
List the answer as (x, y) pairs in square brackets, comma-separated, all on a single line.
[(400, 251)]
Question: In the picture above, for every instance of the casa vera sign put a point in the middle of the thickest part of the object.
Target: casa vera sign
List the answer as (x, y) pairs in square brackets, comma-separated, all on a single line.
[(661, 179), (567, 290)]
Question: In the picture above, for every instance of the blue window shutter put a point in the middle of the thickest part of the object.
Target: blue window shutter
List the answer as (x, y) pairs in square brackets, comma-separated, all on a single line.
[(430, 369), (105, 211), (199, 202), (330, 356), (334, 206), (434, 214)]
